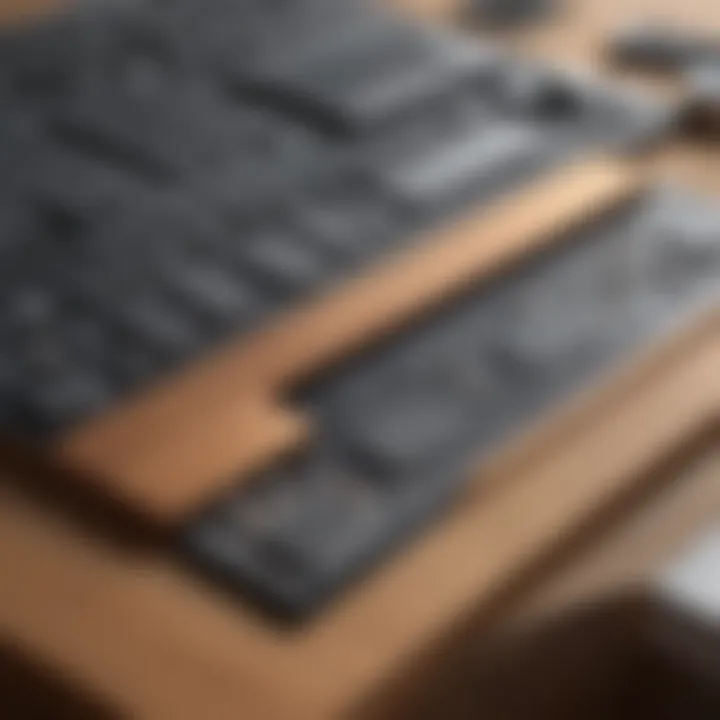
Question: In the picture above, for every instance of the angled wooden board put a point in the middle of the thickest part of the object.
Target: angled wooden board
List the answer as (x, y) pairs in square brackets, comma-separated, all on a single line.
[(178, 445)]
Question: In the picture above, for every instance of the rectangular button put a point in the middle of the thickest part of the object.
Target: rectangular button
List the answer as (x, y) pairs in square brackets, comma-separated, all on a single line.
[(453, 167)]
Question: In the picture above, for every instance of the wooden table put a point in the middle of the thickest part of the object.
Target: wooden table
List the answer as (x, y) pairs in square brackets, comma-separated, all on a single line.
[(602, 492)]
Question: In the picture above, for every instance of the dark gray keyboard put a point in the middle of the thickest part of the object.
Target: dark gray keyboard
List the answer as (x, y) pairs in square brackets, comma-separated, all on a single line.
[(174, 173), (402, 429)]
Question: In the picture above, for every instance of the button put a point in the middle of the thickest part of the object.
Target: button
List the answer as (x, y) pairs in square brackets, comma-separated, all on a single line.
[(214, 293), (684, 248), (155, 323), (403, 69), (465, 162), (407, 417), (51, 402), (546, 331), (339, 523), (544, 96), (159, 137), (282, 261)]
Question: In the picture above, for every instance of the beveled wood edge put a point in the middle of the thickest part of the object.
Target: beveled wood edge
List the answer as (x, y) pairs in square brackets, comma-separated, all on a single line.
[(167, 451), (536, 503)]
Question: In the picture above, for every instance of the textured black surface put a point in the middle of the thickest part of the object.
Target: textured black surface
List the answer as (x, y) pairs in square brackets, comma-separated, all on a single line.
[(401, 430), (173, 173)]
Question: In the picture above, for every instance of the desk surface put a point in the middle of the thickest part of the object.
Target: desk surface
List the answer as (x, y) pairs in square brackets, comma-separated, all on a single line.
[(146, 637)]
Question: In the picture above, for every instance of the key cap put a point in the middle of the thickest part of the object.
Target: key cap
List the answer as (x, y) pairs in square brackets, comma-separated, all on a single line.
[(300, 39), (454, 167), (347, 217), (405, 419), (559, 323), (48, 403), (46, 61), (150, 232), (17, 224), (161, 136), (538, 95), (28, 306), (405, 70), (132, 364), (328, 229), (682, 246), (213, 293), (137, 53), (146, 319), (256, 178), (52, 387), (333, 529), (281, 260), (71, 192)]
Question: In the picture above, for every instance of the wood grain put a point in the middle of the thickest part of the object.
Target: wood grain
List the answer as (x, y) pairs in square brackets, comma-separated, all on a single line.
[(170, 450)]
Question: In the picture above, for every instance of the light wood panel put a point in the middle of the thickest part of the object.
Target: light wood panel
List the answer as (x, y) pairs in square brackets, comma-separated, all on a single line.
[(173, 448)]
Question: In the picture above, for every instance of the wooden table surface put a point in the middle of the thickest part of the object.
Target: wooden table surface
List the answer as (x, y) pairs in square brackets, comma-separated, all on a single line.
[(147, 638)]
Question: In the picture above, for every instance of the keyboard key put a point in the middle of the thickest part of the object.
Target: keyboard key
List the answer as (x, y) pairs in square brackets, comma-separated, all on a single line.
[(348, 220), (157, 324), (49, 403), (161, 136), (47, 61), (451, 169), (17, 224), (544, 95), (133, 364), (71, 193), (397, 73), (331, 532), (407, 417), (215, 294), (276, 257), (683, 247)]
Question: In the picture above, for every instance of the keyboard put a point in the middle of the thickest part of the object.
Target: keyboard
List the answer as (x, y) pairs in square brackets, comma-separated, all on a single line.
[(404, 428), (178, 176), (171, 179)]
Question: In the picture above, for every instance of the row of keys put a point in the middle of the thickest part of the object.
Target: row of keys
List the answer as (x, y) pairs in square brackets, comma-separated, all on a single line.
[(159, 198), (401, 429), (128, 300)]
